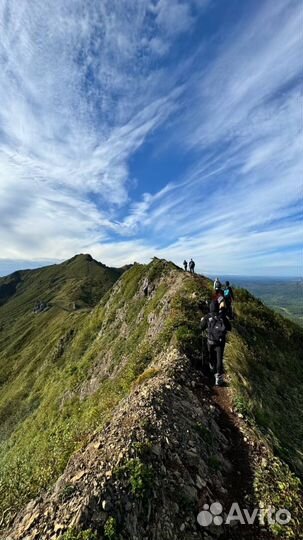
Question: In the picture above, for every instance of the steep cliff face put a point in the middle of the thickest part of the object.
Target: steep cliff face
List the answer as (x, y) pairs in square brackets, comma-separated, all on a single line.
[(130, 440)]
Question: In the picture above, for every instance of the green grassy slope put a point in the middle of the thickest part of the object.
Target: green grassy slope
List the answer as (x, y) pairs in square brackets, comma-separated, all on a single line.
[(62, 372), (31, 345), (265, 361), (80, 279), (25, 336)]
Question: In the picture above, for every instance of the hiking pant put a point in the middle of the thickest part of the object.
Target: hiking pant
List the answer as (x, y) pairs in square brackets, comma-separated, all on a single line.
[(216, 353), (229, 310)]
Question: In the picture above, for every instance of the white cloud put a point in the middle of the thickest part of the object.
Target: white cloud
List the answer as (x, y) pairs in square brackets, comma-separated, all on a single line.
[(82, 87), (246, 122), (75, 105), (173, 16)]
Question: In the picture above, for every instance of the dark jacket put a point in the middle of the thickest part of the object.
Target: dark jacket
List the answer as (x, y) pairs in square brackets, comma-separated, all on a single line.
[(231, 292), (204, 321)]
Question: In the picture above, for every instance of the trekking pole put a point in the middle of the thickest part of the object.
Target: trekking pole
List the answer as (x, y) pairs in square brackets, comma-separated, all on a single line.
[(202, 351)]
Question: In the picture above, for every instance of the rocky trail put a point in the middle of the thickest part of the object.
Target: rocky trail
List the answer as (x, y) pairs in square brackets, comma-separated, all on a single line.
[(173, 446), (243, 454)]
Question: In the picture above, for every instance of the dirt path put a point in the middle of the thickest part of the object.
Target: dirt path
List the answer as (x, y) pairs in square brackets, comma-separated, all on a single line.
[(243, 456)]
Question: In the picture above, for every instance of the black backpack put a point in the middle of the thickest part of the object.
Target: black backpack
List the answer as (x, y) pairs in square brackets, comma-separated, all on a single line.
[(216, 329)]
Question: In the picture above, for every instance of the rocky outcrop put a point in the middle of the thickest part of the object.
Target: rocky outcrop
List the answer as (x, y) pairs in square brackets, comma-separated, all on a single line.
[(146, 476), (62, 345)]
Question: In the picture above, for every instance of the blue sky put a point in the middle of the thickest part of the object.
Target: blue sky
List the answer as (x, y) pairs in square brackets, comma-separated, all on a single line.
[(134, 128)]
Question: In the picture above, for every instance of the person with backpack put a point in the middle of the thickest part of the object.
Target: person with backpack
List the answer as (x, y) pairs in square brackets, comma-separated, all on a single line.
[(218, 296), (192, 265), (185, 265), (229, 298), (217, 284), (217, 326)]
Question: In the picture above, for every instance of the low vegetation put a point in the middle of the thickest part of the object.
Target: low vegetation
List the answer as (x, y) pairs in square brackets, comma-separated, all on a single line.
[(73, 534), (277, 487), (63, 371), (264, 363), (110, 528), (140, 476), (146, 375), (51, 403)]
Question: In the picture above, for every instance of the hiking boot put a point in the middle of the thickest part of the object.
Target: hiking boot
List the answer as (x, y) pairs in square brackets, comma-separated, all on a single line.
[(219, 380)]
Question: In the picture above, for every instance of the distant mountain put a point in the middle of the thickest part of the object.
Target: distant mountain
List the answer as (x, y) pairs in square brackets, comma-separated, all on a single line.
[(108, 427), (40, 311), (80, 279)]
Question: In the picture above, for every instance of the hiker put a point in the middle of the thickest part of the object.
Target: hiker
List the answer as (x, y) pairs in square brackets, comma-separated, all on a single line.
[(192, 265), (217, 284), (218, 296), (185, 265), (229, 298), (217, 326)]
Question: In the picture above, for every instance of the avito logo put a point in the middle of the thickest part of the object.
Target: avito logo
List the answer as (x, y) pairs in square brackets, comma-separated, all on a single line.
[(212, 515)]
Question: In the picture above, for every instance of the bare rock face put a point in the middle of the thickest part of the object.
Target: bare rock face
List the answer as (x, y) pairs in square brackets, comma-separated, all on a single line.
[(149, 470)]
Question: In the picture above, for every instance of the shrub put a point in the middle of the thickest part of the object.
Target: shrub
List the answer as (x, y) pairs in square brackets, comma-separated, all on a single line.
[(140, 476), (110, 528), (276, 486), (74, 534)]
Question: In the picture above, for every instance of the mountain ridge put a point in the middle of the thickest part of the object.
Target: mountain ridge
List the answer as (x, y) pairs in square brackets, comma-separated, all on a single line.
[(79, 266), (131, 343)]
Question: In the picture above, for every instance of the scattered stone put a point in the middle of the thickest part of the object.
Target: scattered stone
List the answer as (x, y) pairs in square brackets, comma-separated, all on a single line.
[(190, 492), (106, 505), (77, 477), (192, 458), (59, 527), (156, 450), (200, 483), (174, 472)]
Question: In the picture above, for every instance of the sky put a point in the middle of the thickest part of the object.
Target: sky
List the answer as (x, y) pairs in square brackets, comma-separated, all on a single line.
[(139, 128)]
